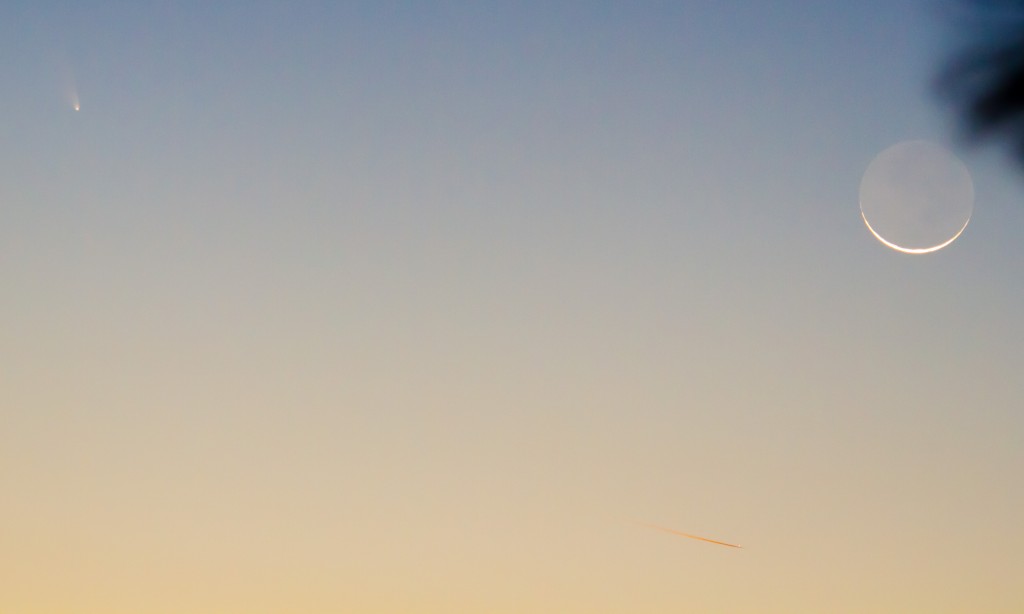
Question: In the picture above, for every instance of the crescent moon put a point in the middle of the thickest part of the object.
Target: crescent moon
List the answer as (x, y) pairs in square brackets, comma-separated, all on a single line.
[(911, 250), (916, 197)]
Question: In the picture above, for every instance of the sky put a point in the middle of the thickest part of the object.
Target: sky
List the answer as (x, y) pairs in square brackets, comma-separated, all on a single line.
[(427, 307)]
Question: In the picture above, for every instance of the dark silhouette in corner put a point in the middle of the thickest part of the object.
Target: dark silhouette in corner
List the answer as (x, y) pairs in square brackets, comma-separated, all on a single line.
[(985, 81)]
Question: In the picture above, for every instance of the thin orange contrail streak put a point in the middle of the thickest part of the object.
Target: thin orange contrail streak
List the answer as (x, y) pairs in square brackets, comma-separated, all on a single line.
[(681, 534)]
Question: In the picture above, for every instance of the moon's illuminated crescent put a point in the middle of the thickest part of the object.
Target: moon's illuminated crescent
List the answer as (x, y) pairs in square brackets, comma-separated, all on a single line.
[(916, 197), (911, 250)]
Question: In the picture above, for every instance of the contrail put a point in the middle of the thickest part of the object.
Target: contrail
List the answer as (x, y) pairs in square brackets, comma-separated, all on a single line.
[(681, 534)]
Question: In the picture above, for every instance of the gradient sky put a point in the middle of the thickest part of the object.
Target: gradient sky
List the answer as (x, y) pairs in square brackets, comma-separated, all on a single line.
[(421, 307)]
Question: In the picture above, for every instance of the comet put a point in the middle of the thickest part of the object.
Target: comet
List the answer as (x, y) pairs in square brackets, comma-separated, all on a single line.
[(687, 535), (70, 85)]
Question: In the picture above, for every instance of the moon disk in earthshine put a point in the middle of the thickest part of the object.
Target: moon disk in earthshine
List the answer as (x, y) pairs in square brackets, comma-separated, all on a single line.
[(916, 197)]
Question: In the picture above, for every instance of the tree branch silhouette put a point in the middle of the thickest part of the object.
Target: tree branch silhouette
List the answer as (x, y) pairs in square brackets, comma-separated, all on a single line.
[(985, 82)]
